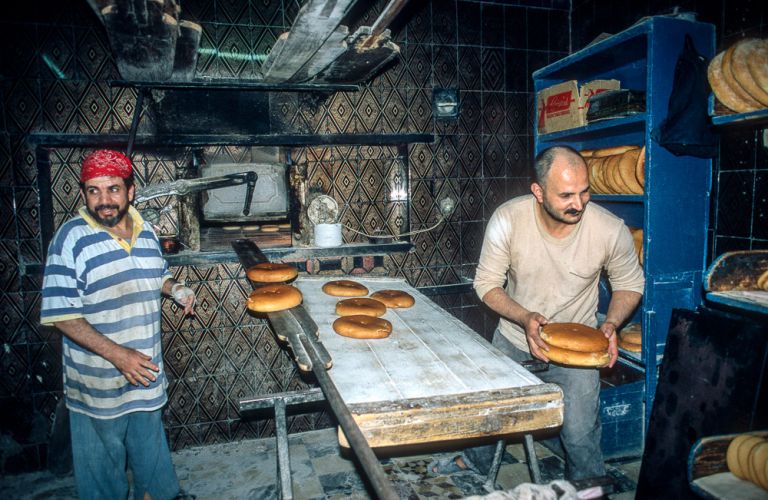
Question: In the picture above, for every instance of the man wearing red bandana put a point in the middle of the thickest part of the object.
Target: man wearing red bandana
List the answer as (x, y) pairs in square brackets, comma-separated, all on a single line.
[(104, 277)]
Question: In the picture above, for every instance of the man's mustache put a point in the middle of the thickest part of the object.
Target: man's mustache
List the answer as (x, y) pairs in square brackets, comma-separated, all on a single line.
[(107, 207), (573, 211)]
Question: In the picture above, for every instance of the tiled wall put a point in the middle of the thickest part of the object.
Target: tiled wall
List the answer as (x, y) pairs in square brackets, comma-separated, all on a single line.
[(739, 215), (54, 77)]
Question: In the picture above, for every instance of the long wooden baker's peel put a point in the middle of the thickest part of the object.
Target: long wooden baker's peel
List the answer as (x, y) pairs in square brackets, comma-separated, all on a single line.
[(291, 324), (315, 22)]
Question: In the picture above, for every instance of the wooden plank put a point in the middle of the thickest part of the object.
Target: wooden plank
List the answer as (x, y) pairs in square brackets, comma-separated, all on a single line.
[(334, 46), (315, 22), (362, 55), (433, 379), (465, 416), (360, 63), (430, 353)]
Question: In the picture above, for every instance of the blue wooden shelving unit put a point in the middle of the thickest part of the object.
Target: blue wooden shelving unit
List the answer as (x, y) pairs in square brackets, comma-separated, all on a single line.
[(674, 209)]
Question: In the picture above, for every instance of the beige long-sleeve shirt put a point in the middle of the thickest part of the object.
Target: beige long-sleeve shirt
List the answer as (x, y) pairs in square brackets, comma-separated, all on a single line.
[(557, 277)]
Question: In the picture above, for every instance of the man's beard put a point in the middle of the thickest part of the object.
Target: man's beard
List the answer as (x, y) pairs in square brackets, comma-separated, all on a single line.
[(108, 221), (552, 213)]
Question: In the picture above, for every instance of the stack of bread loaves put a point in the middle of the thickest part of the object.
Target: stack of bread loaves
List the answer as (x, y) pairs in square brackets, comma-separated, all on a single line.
[(739, 75), (574, 344), (275, 295), (747, 458), (616, 170), (631, 338)]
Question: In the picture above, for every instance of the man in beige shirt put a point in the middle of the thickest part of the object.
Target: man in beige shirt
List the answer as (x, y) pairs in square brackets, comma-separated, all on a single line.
[(541, 262)]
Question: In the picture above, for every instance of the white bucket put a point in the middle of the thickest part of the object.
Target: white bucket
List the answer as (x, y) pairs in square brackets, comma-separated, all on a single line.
[(327, 235)]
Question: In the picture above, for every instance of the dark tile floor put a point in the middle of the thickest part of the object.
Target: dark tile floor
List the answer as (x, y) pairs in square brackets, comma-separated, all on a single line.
[(247, 470)]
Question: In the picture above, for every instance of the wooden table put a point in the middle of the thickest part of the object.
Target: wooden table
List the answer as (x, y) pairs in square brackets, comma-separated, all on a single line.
[(432, 380)]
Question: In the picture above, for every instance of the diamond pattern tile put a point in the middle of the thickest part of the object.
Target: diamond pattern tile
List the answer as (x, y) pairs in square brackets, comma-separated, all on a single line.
[(268, 12), (471, 199), (493, 112), (445, 156), (22, 108), (445, 65), (9, 265), (419, 65), (94, 55), (469, 119), (444, 24), (59, 106), (470, 158), (471, 241), (24, 163), (493, 69), (469, 68), (11, 318), (234, 41), (45, 366), (57, 51), (419, 27), (494, 194), (493, 157), (14, 365), (7, 224), (93, 107)]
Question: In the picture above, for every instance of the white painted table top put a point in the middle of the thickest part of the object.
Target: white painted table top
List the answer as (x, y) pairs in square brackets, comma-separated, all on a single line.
[(429, 353)]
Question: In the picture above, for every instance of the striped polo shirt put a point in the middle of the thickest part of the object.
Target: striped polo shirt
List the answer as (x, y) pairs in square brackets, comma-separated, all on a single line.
[(115, 286)]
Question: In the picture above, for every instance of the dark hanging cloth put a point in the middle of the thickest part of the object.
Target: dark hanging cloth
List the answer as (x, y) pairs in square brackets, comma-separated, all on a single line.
[(687, 129)]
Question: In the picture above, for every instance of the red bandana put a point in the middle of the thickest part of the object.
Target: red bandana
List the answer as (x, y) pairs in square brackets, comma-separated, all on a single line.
[(105, 162)]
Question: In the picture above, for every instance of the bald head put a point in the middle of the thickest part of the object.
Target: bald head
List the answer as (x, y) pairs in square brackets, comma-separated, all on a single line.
[(547, 157)]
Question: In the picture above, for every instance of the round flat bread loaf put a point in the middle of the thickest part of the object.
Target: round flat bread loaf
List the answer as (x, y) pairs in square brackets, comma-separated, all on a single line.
[(269, 272), (757, 64), (762, 281), (362, 327), (640, 168), (742, 455), (595, 165), (630, 346), (614, 177), (613, 150), (722, 88), (732, 455), (578, 358), (733, 81), (272, 298), (627, 171), (601, 174), (345, 288), (632, 333), (364, 306), (758, 458), (574, 337), (270, 228), (744, 51), (394, 298)]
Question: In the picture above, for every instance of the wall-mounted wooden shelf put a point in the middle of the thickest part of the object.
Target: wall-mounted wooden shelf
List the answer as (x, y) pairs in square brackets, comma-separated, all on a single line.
[(99, 140)]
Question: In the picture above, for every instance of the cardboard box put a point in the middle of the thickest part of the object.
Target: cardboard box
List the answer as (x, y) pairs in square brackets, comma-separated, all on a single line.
[(564, 106)]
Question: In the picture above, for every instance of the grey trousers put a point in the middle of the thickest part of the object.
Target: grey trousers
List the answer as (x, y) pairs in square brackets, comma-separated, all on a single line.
[(581, 431)]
